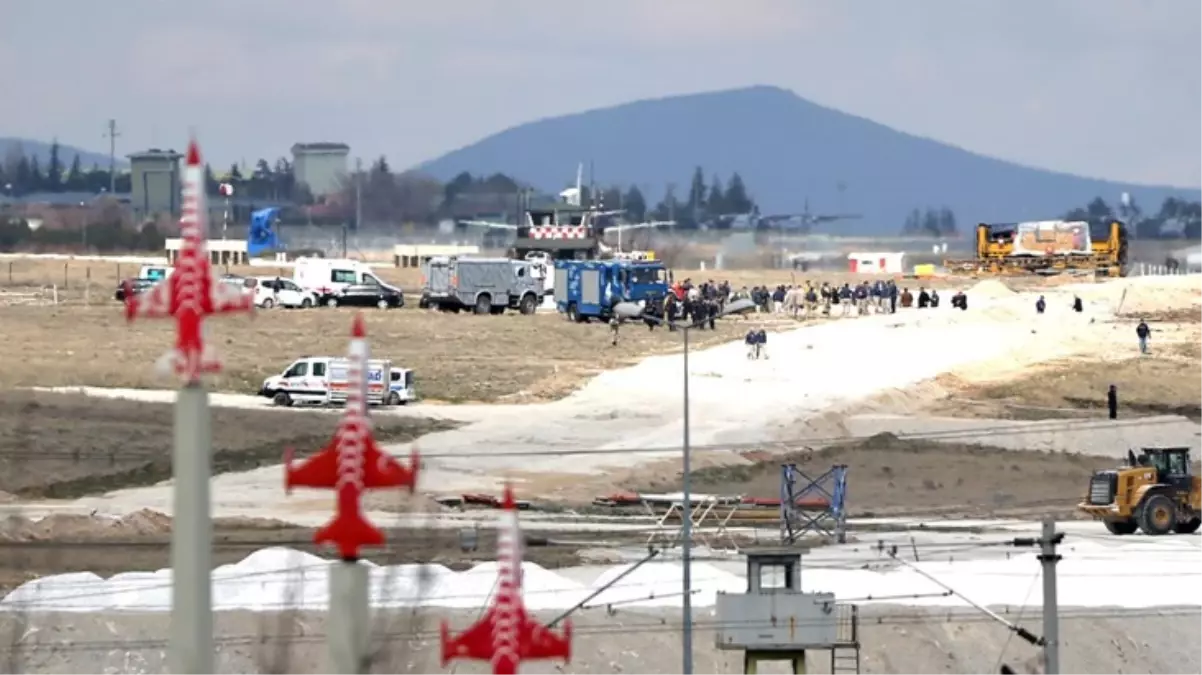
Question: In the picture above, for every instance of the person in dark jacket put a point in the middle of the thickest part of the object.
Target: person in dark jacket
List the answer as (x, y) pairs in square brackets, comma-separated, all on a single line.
[(1112, 403), (934, 298), (711, 312), (893, 297), (751, 342), (1143, 333), (761, 343), (924, 298), (1077, 306), (1040, 305)]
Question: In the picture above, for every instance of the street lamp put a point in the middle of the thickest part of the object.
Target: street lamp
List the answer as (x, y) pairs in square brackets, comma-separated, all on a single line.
[(83, 209), (630, 310)]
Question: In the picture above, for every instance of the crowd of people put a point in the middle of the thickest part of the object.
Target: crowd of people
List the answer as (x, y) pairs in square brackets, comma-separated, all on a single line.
[(811, 300), (699, 304)]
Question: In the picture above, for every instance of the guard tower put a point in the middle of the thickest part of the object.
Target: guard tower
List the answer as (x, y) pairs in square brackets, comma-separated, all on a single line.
[(813, 504), (154, 182), (776, 621)]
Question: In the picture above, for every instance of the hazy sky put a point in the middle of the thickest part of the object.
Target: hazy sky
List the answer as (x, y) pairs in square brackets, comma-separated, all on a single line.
[(1106, 88)]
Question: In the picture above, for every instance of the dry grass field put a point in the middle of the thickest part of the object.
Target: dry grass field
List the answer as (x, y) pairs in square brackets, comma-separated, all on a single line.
[(457, 357), (85, 341), (66, 445)]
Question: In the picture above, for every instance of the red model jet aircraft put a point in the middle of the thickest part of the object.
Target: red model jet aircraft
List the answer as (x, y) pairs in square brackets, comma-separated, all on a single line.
[(352, 462), (507, 635), (192, 292)]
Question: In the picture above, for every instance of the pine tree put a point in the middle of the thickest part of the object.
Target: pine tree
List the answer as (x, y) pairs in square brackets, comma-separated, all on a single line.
[(75, 175), (697, 193), (34, 181), (715, 202), (635, 204), (54, 169), (735, 199)]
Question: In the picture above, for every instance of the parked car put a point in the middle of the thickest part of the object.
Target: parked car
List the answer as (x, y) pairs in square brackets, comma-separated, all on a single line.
[(366, 295), (136, 287), (278, 292)]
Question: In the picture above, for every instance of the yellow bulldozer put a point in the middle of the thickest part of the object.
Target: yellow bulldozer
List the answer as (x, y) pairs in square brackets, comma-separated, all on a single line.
[(1155, 493)]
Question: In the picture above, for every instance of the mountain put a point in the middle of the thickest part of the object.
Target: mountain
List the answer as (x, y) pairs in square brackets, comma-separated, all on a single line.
[(66, 153), (787, 150)]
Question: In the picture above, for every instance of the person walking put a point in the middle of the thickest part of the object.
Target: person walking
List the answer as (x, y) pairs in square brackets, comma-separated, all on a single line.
[(1143, 333)]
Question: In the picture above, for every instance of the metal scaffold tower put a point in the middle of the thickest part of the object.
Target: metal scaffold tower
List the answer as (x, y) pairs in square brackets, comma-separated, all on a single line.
[(813, 504)]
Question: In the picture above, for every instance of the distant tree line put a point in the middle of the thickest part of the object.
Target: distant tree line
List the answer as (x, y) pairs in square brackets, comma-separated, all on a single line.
[(930, 222), (21, 174), (1176, 218)]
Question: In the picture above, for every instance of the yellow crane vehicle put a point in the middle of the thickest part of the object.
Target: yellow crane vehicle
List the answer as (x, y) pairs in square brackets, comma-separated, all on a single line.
[(1156, 493), (1047, 247)]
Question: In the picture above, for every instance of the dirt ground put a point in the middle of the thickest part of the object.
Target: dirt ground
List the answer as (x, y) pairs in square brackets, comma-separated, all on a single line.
[(1156, 383), (141, 542), (895, 639), (65, 445), (888, 476)]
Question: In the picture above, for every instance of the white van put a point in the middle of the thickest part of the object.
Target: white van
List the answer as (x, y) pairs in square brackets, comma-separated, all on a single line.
[(329, 276), (322, 380)]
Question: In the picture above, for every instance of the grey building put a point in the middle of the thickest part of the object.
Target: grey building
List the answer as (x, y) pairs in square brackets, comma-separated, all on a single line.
[(155, 182), (321, 166)]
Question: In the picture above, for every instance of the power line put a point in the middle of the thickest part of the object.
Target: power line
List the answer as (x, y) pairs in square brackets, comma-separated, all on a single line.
[(832, 443), (932, 616)]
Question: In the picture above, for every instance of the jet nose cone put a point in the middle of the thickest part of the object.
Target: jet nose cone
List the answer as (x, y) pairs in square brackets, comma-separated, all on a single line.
[(193, 153)]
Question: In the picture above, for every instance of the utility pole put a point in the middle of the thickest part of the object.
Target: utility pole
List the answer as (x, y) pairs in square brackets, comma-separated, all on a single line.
[(112, 135), (1051, 611), (358, 193)]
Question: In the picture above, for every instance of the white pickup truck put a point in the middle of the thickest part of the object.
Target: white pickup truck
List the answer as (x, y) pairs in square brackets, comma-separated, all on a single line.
[(322, 380)]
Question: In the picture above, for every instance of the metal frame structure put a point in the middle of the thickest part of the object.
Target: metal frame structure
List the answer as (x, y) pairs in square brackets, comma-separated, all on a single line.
[(813, 504), (702, 509)]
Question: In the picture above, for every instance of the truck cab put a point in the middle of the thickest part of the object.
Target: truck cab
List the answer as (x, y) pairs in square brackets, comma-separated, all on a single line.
[(587, 289), (401, 388), (148, 275), (305, 381)]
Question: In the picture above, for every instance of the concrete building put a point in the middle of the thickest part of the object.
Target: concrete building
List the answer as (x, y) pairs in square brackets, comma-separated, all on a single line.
[(321, 166), (154, 182)]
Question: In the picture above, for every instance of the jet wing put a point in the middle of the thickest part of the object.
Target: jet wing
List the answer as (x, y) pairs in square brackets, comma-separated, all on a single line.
[(474, 643), (155, 302), (317, 471), (488, 223), (540, 642), (225, 297), (381, 469)]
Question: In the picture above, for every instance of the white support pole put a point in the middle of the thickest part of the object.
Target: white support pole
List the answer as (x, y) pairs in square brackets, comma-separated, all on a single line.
[(348, 624), (192, 535)]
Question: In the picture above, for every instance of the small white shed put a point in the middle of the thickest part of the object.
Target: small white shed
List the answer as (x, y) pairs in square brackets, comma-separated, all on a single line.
[(880, 262)]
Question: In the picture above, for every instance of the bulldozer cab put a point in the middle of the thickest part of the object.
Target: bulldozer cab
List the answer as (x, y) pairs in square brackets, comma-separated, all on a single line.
[(1173, 466)]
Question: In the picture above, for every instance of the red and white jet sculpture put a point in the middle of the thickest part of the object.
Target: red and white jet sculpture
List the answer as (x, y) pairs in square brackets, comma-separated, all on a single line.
[(192, 292), (352, 462), (507, 635)]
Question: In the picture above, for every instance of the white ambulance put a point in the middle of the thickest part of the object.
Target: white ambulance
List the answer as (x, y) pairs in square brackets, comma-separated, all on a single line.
[(322, 380)]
